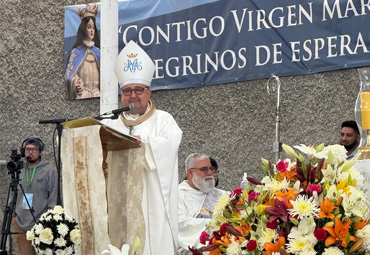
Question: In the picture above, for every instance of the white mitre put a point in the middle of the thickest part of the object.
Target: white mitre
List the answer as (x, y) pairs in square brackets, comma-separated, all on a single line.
[(134, 66)]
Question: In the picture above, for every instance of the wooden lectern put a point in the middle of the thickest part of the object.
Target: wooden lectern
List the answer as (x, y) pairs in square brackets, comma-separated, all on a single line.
[(105, 198)]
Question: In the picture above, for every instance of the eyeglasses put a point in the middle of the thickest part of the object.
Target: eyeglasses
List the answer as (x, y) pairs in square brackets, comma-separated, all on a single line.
[(205, 169), (138, 91), (31, 149)]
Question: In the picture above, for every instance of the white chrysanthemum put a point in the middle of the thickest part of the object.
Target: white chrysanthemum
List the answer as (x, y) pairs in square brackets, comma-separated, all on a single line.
[(38, 228), (308, 252), (353, 202), (48, 218), (57, 217), (274, 185), (364, 233), (304, 207), (48, 251), (267, 235), (221, 205), (37, 240), (62, 229), (59, 252), (60, 242), (333, 251), (338, 151), (304, 230), (296, 246), (69, 250), (69, 218), (234, 248)]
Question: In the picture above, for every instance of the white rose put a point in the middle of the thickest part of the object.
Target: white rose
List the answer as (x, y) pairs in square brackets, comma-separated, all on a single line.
[(30, 235), (46, 236), (58, 209), (75, 236)]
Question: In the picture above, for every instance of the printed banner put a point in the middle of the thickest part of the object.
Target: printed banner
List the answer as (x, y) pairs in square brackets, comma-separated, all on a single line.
[(201, 42)]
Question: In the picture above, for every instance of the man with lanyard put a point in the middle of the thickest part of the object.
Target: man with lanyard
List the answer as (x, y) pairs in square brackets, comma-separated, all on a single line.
[(197, 199), (39, 182), (161, 137)]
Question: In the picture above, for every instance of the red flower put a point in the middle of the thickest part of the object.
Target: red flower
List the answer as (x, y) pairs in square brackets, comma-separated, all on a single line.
[(252, 245), (272, 225), (282, 166), (313, 187), (223, 228), (238, 190), (203, 237), (320, 234), (252, 195)]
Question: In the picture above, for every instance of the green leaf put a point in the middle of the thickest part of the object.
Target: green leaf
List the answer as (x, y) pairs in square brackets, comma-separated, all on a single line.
[(289, 150), (350, 180), (265, 169), (347, 165), (348, 237), (320, 147), (330, 158), (265, 161)]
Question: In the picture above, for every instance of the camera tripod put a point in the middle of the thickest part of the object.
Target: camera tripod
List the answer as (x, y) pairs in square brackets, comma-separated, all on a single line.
[(14, 169)]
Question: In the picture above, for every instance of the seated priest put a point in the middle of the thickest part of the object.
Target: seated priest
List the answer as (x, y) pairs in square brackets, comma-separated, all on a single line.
[(161, 137), (198, 196)]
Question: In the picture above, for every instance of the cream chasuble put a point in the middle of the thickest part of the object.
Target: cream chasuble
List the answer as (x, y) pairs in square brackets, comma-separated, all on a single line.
[(161, 136)]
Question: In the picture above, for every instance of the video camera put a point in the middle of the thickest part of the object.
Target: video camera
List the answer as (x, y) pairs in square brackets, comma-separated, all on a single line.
[(15, 164)]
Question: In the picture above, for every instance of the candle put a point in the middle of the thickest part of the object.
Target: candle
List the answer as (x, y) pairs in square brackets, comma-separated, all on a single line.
[(365, 109)]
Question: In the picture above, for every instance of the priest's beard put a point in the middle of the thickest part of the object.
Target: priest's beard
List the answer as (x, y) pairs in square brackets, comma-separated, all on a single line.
[(204, 184)]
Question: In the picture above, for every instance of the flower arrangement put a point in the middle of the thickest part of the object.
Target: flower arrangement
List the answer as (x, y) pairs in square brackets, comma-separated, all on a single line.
[(55, 233), (311, 205), (113, 250)]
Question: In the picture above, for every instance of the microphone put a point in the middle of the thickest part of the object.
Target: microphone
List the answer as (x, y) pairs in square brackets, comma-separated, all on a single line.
[(53, 121), (131, 107)]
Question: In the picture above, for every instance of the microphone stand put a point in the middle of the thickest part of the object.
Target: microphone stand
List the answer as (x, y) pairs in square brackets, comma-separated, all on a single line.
[(59, 128), (277, 145)]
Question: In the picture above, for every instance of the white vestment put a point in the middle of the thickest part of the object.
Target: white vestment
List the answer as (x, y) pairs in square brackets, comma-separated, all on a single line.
[(192, 205), (161, 137)]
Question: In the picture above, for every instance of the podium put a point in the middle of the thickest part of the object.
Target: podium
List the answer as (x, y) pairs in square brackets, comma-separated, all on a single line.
[(105, 202)]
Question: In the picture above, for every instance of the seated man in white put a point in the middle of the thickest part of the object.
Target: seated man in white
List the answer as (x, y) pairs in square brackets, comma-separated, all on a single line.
[(197, 198)]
